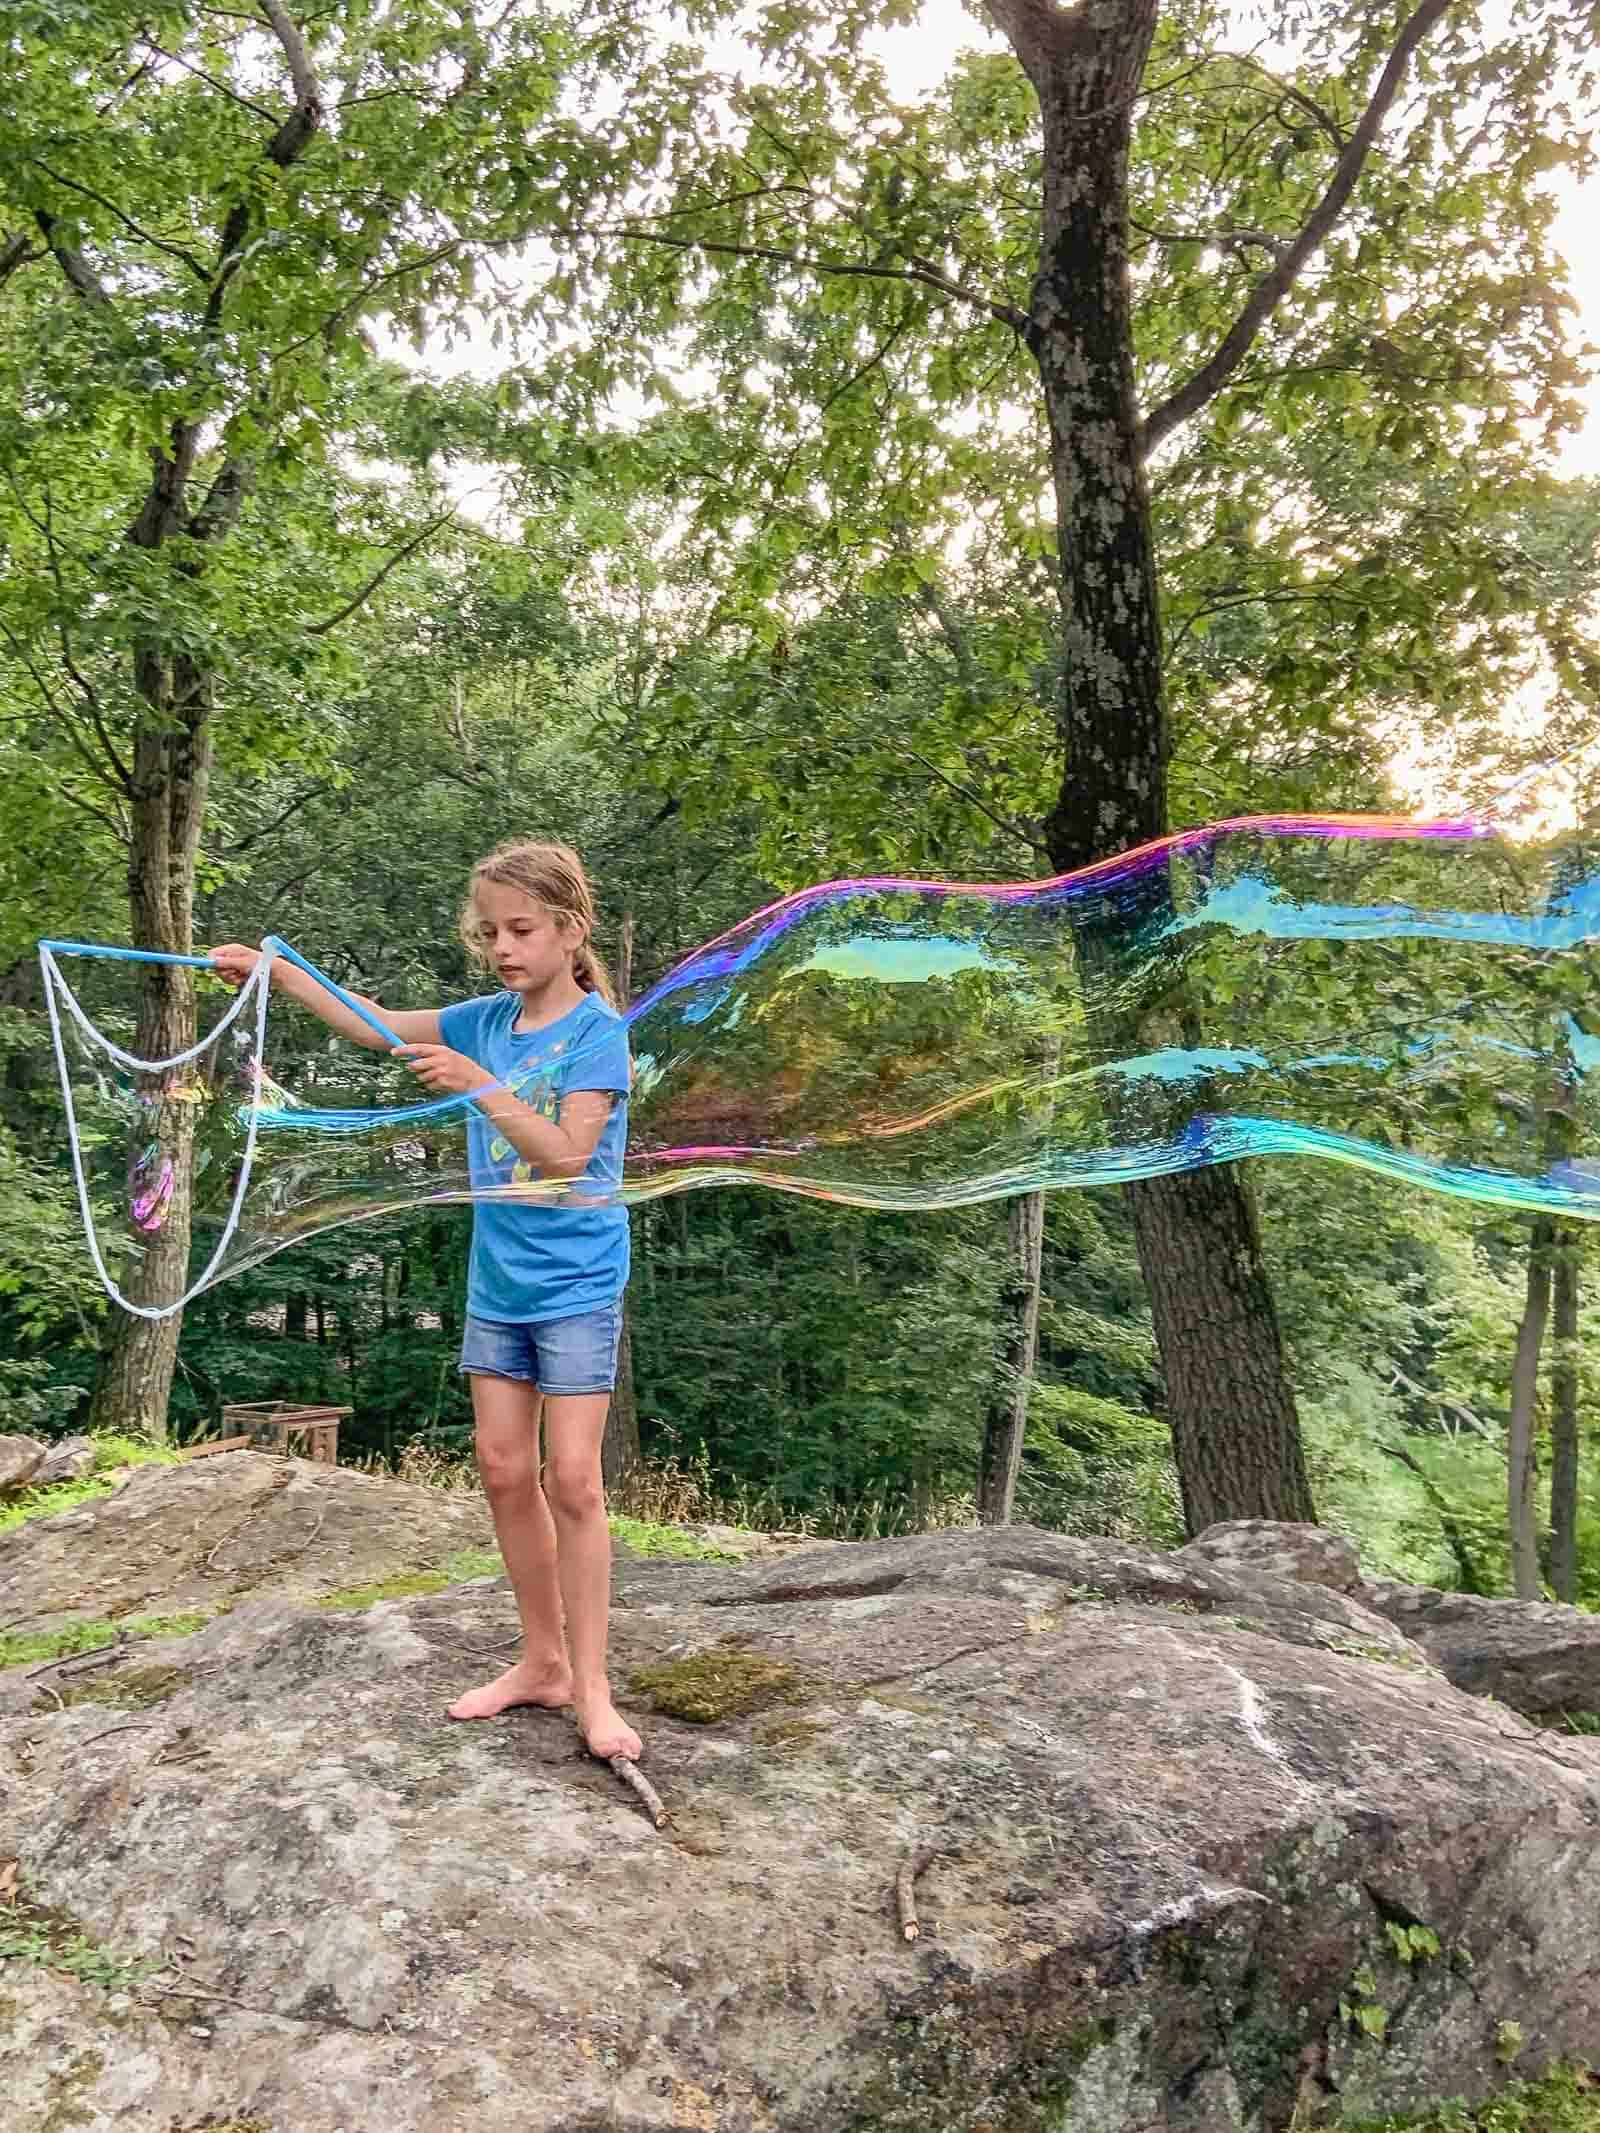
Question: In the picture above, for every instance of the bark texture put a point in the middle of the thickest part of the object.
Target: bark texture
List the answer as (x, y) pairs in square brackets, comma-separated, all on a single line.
[(171, 769), (1520, 1462), (1564, 1417), (1006, 1423), (1230, 1404)]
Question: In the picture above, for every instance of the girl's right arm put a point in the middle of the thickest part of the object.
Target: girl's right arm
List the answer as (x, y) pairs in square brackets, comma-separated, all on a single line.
[(235, 963)]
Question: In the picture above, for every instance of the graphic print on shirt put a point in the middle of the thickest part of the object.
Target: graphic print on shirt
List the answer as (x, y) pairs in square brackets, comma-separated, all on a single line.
[(538, 1091)]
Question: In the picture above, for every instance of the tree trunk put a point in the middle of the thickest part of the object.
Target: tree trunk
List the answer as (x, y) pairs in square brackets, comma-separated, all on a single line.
[(1005, 1424), (1564, 1419), (1235, 1433), (171, 770), (1520, 1464), (1230, 1404), (619, 1447)]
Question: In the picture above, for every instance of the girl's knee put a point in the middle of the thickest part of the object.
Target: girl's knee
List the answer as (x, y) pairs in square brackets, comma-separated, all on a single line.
[(574, 1489), (505, 1464)]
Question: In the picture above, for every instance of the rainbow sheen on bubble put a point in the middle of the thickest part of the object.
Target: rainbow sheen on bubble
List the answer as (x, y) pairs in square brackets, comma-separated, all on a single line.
[(1421, 1000)]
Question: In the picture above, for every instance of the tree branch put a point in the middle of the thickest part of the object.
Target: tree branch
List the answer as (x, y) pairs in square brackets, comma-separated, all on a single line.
[(343, 614), (325, 325), (291, 138), (223, 501), (160, 244), (288, 143), (916, 270), (1288, 93), (1240, 240), (45, 527), (73, 264), (265, 829), (1025, 836), (1270, 291), (63, 717), (178, 60), (16, 252)]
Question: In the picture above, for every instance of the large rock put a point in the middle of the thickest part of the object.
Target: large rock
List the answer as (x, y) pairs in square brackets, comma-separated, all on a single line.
[(197, 1537), (1199, 1852), (1264, 1546), (20, 1459), (67, 1460), (1541, 1659)]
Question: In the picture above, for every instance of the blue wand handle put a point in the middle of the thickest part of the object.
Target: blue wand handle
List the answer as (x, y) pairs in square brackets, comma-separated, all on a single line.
[(204, 962), (345, 999), (128, 955)]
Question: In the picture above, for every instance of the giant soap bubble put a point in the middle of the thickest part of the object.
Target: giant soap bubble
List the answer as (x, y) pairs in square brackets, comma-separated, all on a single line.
[(1413, 998)]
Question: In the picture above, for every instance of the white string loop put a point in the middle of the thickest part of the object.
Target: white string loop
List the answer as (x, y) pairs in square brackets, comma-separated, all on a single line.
[(255, 989)]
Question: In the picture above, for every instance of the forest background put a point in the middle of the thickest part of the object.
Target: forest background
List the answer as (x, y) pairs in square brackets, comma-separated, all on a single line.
[(740, 557)]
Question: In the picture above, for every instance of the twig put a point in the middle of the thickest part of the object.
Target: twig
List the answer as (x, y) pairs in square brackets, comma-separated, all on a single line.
[(633, 1777), (81, 1662), (295, 1553), (261, 1503), (905, 1894), (104, 1734)]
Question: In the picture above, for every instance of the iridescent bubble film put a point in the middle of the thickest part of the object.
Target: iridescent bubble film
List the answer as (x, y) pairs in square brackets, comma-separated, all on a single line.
[(1421, 1000)]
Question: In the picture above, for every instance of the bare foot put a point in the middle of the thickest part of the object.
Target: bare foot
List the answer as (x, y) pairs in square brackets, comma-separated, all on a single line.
[(549, 1684), (605, 1731)]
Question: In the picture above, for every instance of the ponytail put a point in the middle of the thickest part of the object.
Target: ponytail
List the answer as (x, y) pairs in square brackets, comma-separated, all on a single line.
[(588, 967)]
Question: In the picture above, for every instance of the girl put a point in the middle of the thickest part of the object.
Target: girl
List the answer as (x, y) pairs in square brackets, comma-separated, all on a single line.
[(544, 1287)]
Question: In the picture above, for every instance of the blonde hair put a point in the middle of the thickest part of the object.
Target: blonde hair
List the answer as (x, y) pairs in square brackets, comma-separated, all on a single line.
[(552, 875)]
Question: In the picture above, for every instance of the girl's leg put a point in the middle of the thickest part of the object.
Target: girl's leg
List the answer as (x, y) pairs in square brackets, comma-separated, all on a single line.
[(574, 1424), (507, 1415)]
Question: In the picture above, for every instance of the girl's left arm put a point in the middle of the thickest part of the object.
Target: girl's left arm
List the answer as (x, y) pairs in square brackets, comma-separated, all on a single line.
[(556, 1147)]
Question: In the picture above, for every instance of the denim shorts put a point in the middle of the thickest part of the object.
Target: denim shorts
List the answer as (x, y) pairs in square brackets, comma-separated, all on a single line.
[(559, 1355)]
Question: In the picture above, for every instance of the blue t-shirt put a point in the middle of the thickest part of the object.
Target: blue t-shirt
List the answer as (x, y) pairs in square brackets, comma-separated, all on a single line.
[(532, 1261)]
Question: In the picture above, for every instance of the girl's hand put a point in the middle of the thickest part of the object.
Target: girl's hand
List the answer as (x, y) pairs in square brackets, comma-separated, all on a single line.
[(446, 1072), (234, 964)]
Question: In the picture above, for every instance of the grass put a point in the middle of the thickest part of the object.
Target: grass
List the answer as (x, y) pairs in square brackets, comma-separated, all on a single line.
[(28, 1647), (33, 1933), (664, 1493), (645, 1537), (111, 1455), (1567, 2100), (459, 1569)]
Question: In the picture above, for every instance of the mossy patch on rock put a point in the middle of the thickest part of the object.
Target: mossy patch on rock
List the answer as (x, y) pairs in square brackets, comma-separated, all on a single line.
[(788, 1732), (469, 1563), (28, 1647), (458, 1569), (726, 1681), (135, 1690)]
